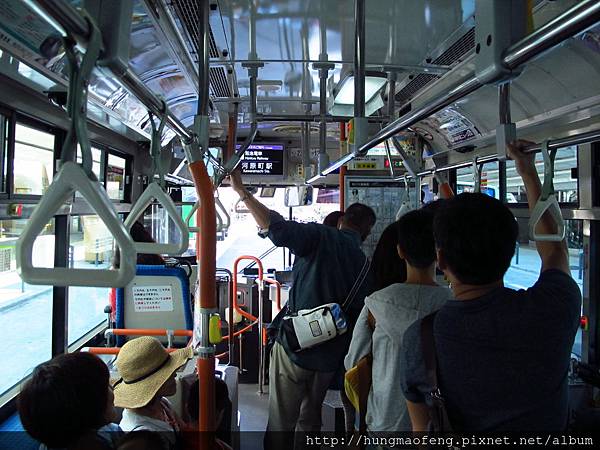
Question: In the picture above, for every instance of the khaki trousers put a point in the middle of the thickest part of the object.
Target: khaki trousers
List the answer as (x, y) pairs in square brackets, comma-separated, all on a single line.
[(295, 399)]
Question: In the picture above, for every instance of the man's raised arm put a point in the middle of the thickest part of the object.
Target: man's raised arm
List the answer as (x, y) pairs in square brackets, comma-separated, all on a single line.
[(554, 255), (261, 214)]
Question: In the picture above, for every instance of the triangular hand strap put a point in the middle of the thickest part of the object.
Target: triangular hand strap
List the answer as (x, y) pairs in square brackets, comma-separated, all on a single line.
[(71, 178), (155, 192)]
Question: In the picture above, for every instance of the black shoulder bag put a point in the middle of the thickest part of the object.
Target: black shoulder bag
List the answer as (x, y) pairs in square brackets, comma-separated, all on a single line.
[(438, 415)]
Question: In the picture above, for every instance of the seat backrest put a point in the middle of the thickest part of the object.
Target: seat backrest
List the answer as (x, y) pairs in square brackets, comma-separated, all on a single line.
[(157, 297)]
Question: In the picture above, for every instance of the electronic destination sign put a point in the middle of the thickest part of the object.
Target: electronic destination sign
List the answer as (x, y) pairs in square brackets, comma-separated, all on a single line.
[(262, 159)]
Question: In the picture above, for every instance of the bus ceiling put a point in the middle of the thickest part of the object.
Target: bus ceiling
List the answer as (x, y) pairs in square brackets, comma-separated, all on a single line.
[(431, 71)]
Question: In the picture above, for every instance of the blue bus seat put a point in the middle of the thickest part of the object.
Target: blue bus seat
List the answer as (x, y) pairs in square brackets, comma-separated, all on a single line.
[(157, 297)]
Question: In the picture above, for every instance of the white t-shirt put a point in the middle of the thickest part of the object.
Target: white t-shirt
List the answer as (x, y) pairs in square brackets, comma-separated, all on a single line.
[(133, 421)]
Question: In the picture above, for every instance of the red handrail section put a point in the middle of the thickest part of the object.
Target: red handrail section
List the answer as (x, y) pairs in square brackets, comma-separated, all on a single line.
[(233, 299), (112, 350), (149, 332), (277, 284), (206, 252)]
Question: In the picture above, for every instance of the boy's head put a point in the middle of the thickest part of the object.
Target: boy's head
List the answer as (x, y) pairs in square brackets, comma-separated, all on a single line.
[(475, 236), (415, 238), (65, 398)]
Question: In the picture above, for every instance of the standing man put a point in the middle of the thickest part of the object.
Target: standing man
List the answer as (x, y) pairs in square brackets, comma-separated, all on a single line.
[(327, 265), (502, 355)]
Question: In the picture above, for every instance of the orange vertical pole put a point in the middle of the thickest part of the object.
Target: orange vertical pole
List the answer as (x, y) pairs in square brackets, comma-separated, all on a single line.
[(342, 169), (206, 249)]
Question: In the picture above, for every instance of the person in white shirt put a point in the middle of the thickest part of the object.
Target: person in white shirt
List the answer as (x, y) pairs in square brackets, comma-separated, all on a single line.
[(392, 310)]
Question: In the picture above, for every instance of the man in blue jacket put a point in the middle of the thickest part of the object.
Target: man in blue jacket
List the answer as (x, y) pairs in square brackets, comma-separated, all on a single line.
[(327, 265)]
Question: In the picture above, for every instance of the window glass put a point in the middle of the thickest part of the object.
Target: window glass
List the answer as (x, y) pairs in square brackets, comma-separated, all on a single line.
[(115, 177), (242, 236), (33, 160), (489, 180), (564, 183), (3, 151), (90, 247), (96, 162), (526, 264), (25, 310)]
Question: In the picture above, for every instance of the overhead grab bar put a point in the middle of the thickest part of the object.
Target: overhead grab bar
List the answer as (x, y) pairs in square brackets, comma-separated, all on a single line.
[(155, 191), (572, 21), (547, 201), (71, 178)]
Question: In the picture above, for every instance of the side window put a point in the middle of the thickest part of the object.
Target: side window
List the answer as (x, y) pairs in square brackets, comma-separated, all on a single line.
[(97, 162), (115, 177), (489, 180), (25, 310), (565, 181), (3, 153), (33, 160), (90, 247)]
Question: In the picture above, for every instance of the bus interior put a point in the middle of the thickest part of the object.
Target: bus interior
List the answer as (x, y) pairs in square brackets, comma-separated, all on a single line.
[(117, 111)]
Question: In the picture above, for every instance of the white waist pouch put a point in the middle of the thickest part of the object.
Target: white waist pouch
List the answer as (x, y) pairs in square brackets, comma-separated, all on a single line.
[(309, 328)]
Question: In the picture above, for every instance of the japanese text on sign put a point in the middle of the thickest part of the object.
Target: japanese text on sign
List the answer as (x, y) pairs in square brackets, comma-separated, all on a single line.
[(263, 159), (152, 298)]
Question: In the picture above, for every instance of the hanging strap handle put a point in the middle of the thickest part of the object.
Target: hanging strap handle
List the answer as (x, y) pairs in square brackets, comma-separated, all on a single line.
[(477, 169), (404, 200), (155, 146), (70, 178), (155, 192), (221, 225), (79, 75), (547, 201)]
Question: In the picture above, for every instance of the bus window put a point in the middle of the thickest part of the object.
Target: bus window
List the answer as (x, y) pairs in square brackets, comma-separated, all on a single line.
[(115, 177), (565, 185), (3, 152), (90, 247), (33, 160), (526, 264), (489, 180), (242, 236), (25, 310), (97, 163)]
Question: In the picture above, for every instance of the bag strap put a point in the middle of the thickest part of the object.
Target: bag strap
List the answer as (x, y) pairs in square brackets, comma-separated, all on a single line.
[(362, 422), (440, 422), (428, 347), (357, 284)]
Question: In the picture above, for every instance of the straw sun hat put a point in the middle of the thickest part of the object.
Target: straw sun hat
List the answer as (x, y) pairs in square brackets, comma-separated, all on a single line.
[(144, 366)]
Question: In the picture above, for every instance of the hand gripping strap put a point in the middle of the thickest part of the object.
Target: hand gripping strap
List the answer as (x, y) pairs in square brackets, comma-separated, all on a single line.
[(70, 178), (155, 192), (547, 202)]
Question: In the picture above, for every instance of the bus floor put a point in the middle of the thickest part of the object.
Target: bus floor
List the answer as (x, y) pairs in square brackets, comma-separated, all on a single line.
[(253, 409)]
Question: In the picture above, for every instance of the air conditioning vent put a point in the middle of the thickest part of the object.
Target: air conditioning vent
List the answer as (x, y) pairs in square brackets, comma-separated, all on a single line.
[(219, 87), (450, 56), (187, 10)]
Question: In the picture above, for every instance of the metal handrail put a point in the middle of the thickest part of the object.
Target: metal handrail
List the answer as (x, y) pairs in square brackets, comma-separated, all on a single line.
[(571, 22), (65, 17)]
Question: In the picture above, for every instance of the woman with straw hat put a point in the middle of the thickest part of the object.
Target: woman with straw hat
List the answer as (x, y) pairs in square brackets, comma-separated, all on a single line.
[(147, 373)]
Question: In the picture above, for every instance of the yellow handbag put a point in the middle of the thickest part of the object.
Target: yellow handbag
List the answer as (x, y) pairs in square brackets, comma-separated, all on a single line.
[(358, 380)]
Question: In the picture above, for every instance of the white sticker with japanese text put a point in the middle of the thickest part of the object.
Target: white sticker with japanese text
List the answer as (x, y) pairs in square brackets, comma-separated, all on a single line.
[(152, 298)]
